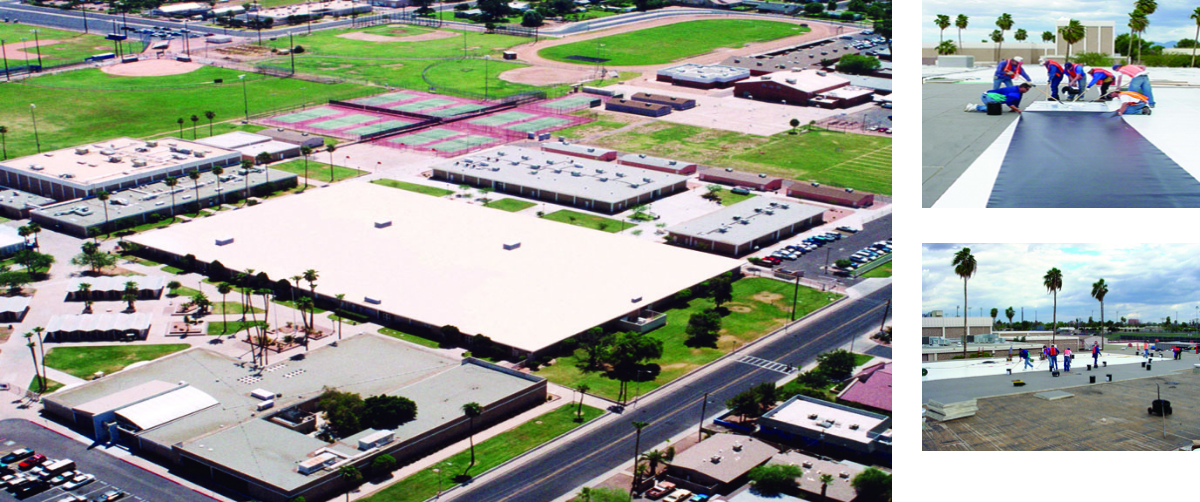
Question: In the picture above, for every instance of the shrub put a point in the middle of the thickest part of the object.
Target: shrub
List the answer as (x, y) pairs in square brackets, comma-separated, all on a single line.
[(1093, 59), (776, 478), (299, 49), (383, 464)]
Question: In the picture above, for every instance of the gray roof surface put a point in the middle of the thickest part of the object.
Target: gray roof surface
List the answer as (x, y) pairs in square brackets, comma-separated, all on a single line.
[(877, 83), (760, 223), (733, 463), (950, 139), (10, 197), (576, 148), (655, 161), (498, 165), (234, 140)]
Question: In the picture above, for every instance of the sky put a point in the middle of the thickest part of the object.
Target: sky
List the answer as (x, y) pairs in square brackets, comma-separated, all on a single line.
[(1146, 282), (1168, 24)]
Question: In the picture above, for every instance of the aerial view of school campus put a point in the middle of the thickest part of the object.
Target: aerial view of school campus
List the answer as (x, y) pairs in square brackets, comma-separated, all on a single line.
[(404, 250), (1067, 347)]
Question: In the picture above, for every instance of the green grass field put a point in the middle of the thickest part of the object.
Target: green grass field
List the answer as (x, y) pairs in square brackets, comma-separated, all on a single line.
[(458, 74), (410, 337), (510, 205), (216, 327), (230, 308), (488, 454), (583, 130), (72, 46), (331, 43), (729, 198), (68, 116), (671, 42), (83, 362), (35, 384), (318, 171), (413, 187), (759, 306), (884, 270), (585, 220), (833, 158)]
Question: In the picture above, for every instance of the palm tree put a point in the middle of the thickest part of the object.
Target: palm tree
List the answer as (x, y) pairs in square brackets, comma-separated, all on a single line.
[(246, 165), (1005, 23), (352, 476), (583, 388), (218, 171), (1053, 282), (1147, 7), (103, 196), (33, 353), (210, 115), (171, 181), (4, 133), (654, 457), (195, 119), (1071, 33), (942, 21), (180, 122), (826, 480), (961, 23), (1047, 36), (42, 349), (130, 296), (195, 177), (964, 266), (947, 47), (305, 151), (341, 307), (997, 37), (1021, 35), (995, 313), (637, 449), (1009, 313), (25, 232), (471, 410), (330, 148), (85, 291), (224, 288), (1099, 290), (311, 276), (303, 304), (35, 229), (1195, 16)]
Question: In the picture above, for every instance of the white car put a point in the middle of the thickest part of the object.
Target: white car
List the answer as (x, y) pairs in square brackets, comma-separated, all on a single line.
[(679, 495), (78, 481), (71, 497)]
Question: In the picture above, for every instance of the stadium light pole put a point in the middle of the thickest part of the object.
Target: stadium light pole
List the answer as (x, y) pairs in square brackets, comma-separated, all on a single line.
[(245, 98), (36, 139), (83, 11), (37, 46), (4, 53), (292, 51), (485, 77), (23, 40)]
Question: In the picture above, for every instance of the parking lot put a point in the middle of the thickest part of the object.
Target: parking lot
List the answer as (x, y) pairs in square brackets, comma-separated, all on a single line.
[(111, 472), (812, 264)]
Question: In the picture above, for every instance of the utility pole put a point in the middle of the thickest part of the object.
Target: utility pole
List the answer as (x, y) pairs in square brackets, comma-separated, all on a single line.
[(292, 51), (703, 410), (795, 295), (245, 99), (4, 52), (36, 139), (37, 45)]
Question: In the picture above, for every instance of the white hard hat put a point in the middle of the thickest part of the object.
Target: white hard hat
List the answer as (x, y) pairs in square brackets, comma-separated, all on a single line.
[(1019, 59)]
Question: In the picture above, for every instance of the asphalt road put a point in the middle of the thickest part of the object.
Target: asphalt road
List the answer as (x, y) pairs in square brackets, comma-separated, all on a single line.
[(559, 468), (812, 263), (110, 472)]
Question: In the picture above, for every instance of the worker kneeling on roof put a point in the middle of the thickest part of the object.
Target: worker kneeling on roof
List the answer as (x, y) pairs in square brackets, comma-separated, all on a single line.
[(1007, 70), (1008, 96), (1139, 80), (1131, 103)]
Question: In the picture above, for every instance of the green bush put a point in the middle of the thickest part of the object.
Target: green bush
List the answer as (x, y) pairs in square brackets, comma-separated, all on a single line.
[(1169, 60), (1093, 59)]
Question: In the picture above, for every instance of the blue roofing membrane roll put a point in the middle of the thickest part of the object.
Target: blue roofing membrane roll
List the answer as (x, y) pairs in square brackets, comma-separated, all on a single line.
[(1084, 159)]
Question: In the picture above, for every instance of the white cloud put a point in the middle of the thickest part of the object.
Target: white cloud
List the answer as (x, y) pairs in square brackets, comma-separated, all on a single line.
[(1169, 23), (1148, 281)]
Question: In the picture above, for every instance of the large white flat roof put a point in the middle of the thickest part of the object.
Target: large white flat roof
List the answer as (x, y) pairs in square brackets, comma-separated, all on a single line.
[(443, 261), (106, 161)]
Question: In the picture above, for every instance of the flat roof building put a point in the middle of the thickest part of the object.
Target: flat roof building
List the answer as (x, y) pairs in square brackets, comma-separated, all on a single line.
[(794, 87), (311, 10), (637, 107), (294, 137), (718, 463), (251, 430), (702, 76), (234, 140), (483, 271), (11, 241), (114, 165), (588, 184), (761, 182), (657, 163), (843, 97), (674, 102), (16, 205), (13, 308), (952, 327), (830, 195), (98, 327), (746, 226), (276, 150), (840, 490), (581, 151), (805, 420)]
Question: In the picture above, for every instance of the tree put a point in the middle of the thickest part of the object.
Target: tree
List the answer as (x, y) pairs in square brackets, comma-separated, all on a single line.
[(814, 8), (210, 115), (472, 410), (774, 479), (180, 122), (195, 120), (795, 122), (1053, 283), (85, 292), (262, 158), (305, 151), (964, 267), (33, 353), (383, 464), (1148, 7), (388, 412), (837, 364), (33, 261), (492, 11), (130, 294), (997, 37), (171, 181), (1047, 36), (1005, 23), (343, 411), (831, 6), (743, 404), (593, 346), (857, 64), (995, 313), (1071, 33), (1099, 291), (532, 19), (103, 197), (341, 298), (246, 165), (946, 48), (4, 141), (873, 485), (1009, 313), (194, 175), (637, 448), (720, 288), (826, 480), (942, 21), (1137, 24), (330, 148), (217, 171), (93, 258), (1021, 35), (310, 276), (1195, 17), (423, 6), (625, 354), (224, 289), (201, 302), (704, 328), (583, 388), (352, 476), (961, 23), (654, 457), (35, 229)]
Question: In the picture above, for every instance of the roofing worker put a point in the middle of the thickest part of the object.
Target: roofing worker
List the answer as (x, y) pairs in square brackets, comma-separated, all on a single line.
[(1076, 78), (1132, 103), (1009, 96), (1104, 77), (1139, 80), (1007, 70), (1054, 72)]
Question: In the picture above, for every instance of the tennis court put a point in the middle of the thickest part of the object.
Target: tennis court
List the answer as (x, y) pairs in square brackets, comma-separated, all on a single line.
[(424, 137), (379, 126), (310, 114), (538, 125), (501, 118), (343, 122), (424, 104), (385, 99), (464, 143), (570, 103), (454, 110)]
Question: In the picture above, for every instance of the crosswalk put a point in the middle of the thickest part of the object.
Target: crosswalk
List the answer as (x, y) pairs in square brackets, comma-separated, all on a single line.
[(786, 369)]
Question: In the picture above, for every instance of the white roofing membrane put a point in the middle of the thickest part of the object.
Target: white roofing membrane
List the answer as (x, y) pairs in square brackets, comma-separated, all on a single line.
[(943, 370), (98, 322), (173, 405), (117, 283)]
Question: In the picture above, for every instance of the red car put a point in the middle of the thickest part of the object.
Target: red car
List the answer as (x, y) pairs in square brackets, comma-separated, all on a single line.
[(28, 463)]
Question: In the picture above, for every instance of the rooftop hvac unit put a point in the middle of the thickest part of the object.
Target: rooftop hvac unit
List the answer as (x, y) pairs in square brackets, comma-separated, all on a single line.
[(636, 299), (497, 168), (647, 180), (634, 185), (769, 211), (821, 73), (603, 178), (620, 175), (114, 160), (383, 223), (762, 176), (262, 394), (550, 161), (844, 475), (224, 241), (266, 405), (523, 157), (641, 155), (66, 176), (372, 301), (36, 167), (807, 464), (199, 154), (816, 184), (81, 151), (151, 144), (590, 150), (744, 222), (723, 230), (533, 171), (728, 169), (576, 174), (785, 206), (599, 170), (758, 209), (736, 60), (736, 218), (853, 427), (138, 163), (511, 245), (773, 204), (559, 171), (672, 162), (516, 162), (737, 446)]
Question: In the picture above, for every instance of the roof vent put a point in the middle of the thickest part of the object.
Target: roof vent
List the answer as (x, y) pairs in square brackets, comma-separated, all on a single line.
[(603, 178), (511, 245), (636, 299), (821, 73), (383, 223), (372, 301), (812, 416), (745, 222), (576, 174), (224, 241), (853, 427), (672, 162), (641, 155), (81, 151)]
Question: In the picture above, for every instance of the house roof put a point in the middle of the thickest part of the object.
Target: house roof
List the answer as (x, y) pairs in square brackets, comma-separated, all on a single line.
[(725, 457), (871, 387)]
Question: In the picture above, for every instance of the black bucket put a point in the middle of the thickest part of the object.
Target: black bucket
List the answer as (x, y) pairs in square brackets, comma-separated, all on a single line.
[(995, 108)]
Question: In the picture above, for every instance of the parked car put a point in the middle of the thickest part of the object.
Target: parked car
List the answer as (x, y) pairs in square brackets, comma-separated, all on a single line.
[(30, 462), (30, 488), (848, 229), (679, 495), (71, 497), (63, 478), (78, 481), (660, 489), (699, 497), (21, 454), (109, 496)]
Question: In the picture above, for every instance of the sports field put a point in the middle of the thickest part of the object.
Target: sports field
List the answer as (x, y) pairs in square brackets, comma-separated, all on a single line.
[(71, 47), (88, 105), (497, 119), (840, 159), (663, 44), (459, 74), (570, 103), (334, 42)]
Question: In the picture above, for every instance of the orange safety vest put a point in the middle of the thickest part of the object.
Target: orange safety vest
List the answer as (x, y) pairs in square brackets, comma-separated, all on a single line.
[(1134, 95), (1107, 74), (1009, 69), (1052, 62)]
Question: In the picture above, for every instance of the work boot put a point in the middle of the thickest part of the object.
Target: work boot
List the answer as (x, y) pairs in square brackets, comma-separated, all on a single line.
[(969, 108), (1146, 111)]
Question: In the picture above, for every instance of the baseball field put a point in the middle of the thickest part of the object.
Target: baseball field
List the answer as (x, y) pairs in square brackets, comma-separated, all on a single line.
[(663, 44)]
